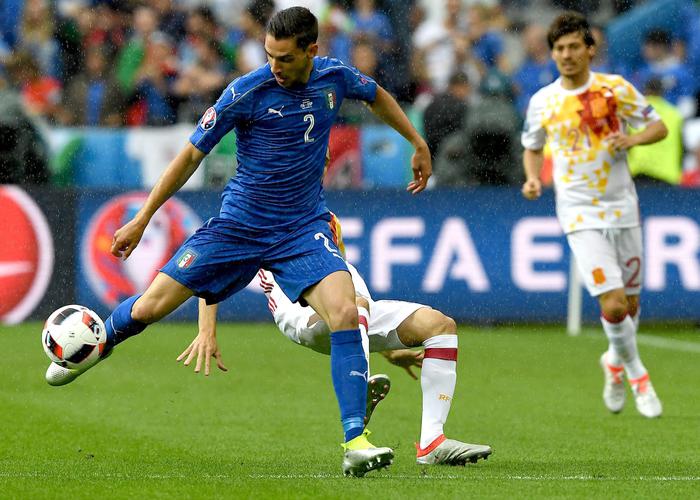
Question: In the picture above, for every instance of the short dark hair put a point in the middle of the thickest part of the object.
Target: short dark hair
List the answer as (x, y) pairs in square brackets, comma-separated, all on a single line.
[(570, 22), (295, 22), (658, 37)]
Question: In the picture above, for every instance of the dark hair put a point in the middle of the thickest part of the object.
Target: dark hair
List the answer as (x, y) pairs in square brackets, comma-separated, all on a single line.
[(658, 37), (570, 22), (459, 78), (261, 10), (295, 22), (654, 87)]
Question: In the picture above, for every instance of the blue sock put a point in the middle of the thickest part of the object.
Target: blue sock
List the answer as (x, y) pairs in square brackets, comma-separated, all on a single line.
[(120, 326), (349, 372)]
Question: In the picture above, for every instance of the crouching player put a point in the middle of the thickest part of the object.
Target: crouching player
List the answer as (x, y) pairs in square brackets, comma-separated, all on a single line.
[(387, 326)]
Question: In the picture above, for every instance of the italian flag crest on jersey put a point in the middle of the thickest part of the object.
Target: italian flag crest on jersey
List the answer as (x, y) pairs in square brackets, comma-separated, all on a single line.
[(330, 98)]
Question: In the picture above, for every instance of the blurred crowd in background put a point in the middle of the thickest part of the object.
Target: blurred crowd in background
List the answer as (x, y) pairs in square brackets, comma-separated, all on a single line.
[(465, 69)]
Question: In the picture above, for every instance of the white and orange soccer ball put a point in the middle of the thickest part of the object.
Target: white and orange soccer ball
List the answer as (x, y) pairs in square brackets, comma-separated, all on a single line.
[(74, 337)]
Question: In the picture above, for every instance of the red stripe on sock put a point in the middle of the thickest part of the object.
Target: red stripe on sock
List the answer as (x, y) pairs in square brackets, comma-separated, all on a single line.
[(437, 442), (610, 320), (446, 353), (363, 321)]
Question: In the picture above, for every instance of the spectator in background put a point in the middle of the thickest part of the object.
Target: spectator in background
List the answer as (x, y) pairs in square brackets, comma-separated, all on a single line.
[(399, 79), (537, 70), (660, 62), (200, 24), (41, 94), (153, 83), (486, 42), (93, 97), (335, 33), (37, 36), (445, 115), (251, 52), (661, 162), (172, 21), (200, 83), (365, 59), (487, 151), (130, 58), (372, 25), (23, 153), (436, 47)]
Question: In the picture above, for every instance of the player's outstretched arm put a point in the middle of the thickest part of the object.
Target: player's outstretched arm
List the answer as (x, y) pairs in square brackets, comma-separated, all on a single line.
[(386, 108), (532, 163), (204, 345), (654, 132), (406, 359), (127, 237)]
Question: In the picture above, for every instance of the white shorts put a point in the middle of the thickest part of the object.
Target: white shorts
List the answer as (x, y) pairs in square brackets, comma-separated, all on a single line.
[(385, 318), (609, 259)]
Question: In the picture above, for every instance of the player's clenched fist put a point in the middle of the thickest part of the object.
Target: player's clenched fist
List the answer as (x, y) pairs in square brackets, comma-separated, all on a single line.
[(532, 189)]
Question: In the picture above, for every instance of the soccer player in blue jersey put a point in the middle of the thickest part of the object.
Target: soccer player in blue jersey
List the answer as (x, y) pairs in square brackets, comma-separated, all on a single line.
[(273, 213)]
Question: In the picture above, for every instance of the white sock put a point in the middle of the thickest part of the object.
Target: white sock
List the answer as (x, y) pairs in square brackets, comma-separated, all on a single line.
[(438, 378), (363, 317), (623, 343)]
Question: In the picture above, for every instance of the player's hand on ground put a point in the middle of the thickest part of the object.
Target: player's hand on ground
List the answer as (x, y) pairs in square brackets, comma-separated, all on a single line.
[(620, 141), (204, 347), (406, 359), (126, 238), (422, 169), (532, 189)]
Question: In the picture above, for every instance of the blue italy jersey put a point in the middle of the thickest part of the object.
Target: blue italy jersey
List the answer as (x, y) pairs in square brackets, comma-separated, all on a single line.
[(282, 136)]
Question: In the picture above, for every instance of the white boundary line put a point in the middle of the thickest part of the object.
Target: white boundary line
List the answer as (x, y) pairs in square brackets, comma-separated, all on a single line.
[(670, 344), (466, 477)]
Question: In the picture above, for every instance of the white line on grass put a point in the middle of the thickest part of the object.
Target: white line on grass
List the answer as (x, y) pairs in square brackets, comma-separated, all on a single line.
[(655, 341), (488, 477), (470, 477), (670, 344)]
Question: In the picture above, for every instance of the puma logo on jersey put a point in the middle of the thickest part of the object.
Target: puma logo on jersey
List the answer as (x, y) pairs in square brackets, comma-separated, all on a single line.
[(233, 93), (355, 373), (276, 112)]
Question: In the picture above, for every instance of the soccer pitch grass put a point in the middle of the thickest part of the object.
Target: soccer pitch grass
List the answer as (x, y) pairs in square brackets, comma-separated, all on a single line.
[(141, 426)]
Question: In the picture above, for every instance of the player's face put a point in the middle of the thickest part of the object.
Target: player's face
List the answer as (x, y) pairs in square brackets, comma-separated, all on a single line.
[(289, 64), (571, 55)]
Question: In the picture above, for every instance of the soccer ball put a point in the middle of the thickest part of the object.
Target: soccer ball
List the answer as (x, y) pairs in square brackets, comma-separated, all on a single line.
[(74, 337)]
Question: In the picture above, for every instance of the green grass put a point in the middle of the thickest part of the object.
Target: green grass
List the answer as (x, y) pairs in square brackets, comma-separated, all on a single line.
[(141, 426)]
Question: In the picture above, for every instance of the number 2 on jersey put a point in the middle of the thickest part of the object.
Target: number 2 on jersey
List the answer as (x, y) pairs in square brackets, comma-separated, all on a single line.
[(309, 118), (326, 243)]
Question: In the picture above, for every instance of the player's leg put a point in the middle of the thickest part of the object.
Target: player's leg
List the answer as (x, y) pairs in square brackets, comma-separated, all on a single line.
[(597, 262), (130, 318), (437, 333), (303, 326), (333, 298), (629, 246)]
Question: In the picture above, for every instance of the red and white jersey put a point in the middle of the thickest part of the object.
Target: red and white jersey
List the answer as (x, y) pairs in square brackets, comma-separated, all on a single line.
[(594, 189)]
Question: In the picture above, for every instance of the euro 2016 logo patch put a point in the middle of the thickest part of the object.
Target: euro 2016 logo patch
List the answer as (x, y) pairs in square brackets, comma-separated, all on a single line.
[(209, 119), (186, 259)]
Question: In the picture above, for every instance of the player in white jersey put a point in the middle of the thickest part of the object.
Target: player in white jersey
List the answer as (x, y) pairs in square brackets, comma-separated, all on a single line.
[(389, 327), (583, 117)]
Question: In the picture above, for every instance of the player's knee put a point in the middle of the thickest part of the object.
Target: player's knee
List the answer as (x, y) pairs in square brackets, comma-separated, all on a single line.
[(445, 324), (344, 318), (440, 323), (614, 307)]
